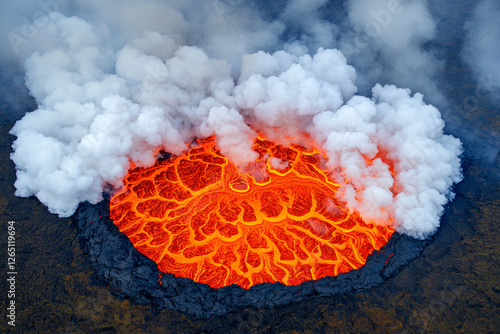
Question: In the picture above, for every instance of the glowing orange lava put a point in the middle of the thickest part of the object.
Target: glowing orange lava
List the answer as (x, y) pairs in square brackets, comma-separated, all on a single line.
[(198, 217)]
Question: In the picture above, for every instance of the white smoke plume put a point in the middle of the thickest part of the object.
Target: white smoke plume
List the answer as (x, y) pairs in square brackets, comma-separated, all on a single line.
[(482, 50), (157, 75), (385, 44)]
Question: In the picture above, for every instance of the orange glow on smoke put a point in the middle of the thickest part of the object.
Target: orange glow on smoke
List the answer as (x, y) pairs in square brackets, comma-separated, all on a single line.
[(198, 217)]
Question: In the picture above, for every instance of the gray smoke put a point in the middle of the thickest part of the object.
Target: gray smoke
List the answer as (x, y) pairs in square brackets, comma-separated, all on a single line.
[(482, 51)]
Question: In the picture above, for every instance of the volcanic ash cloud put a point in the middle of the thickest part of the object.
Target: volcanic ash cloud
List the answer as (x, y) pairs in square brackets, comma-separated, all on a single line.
[(102, 107)]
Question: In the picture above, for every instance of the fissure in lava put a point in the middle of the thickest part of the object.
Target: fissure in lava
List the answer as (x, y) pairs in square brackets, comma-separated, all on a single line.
[(199, 217)]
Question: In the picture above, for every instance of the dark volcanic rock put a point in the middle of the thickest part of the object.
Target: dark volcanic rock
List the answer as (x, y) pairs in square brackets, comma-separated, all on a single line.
[(137, 278)]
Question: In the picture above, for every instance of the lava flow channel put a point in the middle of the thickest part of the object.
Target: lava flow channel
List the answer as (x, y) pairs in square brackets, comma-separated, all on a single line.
[(197, 216)]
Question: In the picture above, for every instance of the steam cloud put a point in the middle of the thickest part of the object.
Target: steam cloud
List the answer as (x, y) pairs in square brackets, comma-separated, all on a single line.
[(158, 75), (481, 51)]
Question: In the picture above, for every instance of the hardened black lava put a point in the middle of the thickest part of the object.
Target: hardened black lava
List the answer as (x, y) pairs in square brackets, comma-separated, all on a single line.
[(135, 277)]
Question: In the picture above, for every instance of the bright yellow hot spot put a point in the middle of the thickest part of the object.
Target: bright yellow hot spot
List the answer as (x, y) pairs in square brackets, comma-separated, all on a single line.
[(198, 217)]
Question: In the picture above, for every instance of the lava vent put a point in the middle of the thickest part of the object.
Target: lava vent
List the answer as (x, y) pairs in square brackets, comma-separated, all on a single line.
[(278, 220)]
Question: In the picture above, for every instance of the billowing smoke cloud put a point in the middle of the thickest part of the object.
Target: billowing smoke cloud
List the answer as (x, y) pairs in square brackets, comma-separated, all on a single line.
[(482, 51), (385, 44), (363, 137), (155, 75)]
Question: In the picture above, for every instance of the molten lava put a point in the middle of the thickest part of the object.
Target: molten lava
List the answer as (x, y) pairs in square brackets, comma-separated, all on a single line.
[(198, 216)]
